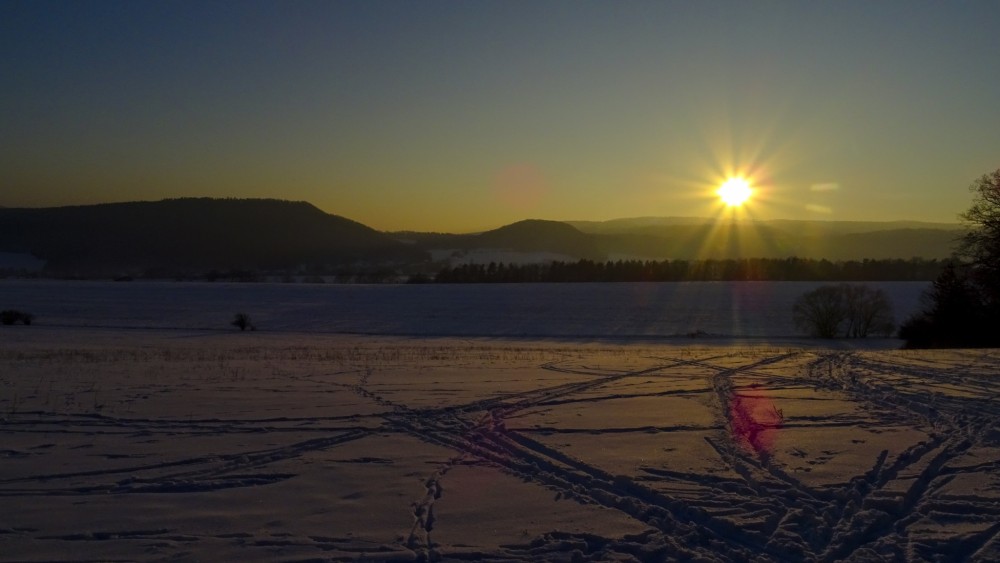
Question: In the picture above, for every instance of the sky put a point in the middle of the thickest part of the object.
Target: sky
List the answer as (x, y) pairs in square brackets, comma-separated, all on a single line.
[(465, 115)]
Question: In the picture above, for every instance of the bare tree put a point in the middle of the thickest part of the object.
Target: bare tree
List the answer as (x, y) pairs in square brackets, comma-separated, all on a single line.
[(868, 311), (242, 322), (980, 247), (820, 312), (854, 311)]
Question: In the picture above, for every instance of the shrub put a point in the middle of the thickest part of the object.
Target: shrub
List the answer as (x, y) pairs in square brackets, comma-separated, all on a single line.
[(242, 322), (854, 311), (868, 311), (12, 316), (820, 312)]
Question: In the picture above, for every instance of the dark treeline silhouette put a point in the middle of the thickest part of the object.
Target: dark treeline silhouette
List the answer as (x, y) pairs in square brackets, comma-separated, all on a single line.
[(962, 307), (749, 269)]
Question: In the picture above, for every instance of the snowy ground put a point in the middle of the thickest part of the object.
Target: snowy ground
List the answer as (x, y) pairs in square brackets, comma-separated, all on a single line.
[(758, 310), (130, 444)]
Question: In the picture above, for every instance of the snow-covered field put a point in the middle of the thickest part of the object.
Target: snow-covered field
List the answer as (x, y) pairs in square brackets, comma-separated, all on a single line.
[(180, 444), (581, 310), (518, 422)]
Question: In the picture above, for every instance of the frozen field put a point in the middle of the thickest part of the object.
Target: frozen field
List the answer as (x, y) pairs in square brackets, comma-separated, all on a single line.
[(151, 445), (588, 310)]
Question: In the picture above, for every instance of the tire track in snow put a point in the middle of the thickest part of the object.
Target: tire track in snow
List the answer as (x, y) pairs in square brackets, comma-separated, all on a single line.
[(490, 441), (860, 519), (954, 428)]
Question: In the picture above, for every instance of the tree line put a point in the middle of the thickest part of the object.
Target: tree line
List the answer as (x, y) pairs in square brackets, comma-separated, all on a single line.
[(962, 307), (748, 269)]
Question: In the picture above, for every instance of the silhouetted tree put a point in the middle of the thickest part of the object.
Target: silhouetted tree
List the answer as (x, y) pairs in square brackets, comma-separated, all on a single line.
[(980, 246), (242, 322), (821, 312), (854, 311), (868, 311), (953, 313), (963, 305), (12, 316)]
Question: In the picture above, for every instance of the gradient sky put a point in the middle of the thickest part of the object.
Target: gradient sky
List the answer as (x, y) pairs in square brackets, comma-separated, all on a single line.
[(459, 116)]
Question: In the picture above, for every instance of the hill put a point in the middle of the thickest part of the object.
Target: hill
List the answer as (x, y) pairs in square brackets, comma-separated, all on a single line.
[(638, 225), (535, 235), (743, 240), (197, 235), (533, 239), (193, 235), (692, 238)]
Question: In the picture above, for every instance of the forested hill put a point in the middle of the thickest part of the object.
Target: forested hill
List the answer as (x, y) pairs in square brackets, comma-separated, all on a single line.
[(783, 239), (528, 236), (193, 235), (695, 239), (200, 235)]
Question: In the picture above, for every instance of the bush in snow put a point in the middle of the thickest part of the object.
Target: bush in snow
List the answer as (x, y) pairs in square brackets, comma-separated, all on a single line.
[(11, 316), (242, 322), (853, 311)]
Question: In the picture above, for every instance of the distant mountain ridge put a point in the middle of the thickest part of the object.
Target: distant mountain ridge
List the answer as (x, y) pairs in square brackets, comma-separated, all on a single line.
[(530, 235), (638, 224), (194, 234), (201, 234), (693, 238)]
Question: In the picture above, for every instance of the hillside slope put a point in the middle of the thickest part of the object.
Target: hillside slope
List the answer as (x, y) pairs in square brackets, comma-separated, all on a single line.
[(527, 237), (689, 242), (194, 234)]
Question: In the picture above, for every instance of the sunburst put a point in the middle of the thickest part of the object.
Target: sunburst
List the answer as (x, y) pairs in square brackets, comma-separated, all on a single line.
[(735, 191)]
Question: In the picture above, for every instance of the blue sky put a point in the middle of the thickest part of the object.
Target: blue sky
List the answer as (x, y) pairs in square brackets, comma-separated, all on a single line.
[(467, 115)]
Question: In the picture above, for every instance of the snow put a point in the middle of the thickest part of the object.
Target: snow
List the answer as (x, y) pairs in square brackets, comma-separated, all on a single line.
[(20, 261), (131, 441), (584, 310)]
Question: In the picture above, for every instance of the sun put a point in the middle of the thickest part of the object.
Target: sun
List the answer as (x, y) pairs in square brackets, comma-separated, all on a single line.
[(735, 192)]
